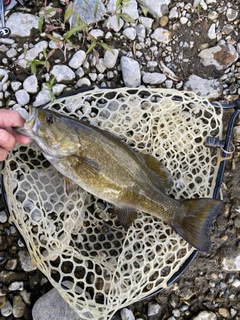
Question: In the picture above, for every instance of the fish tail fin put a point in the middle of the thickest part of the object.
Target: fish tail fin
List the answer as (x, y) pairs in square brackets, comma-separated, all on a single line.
[(194, 222)]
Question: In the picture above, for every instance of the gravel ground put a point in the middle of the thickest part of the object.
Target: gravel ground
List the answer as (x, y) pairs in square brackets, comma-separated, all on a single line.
[(191, 45)]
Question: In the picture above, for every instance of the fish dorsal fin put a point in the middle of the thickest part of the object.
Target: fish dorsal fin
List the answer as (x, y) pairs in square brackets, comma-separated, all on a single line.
[(160, 173), (126, 216)]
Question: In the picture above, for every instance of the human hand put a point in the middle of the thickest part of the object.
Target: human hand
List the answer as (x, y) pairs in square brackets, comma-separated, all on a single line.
[(8, 136)]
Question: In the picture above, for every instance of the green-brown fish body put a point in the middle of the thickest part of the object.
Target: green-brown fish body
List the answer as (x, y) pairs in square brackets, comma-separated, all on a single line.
[(109, 169)]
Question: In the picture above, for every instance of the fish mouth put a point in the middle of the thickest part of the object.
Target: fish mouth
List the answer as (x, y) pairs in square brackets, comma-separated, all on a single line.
[(30, 124)]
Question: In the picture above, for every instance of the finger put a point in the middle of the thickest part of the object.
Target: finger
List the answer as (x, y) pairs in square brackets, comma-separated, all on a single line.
[(20, 138), (10, 118), (7, 141), (3, 154)]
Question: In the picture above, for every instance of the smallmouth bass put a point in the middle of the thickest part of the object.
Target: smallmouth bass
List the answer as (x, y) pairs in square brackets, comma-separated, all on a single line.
[(108, 168)]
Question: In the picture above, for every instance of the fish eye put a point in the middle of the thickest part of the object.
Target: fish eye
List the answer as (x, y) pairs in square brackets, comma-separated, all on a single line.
[(50, 119)]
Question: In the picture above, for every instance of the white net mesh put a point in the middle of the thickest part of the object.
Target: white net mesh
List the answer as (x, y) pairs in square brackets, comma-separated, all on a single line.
[(77, 241)]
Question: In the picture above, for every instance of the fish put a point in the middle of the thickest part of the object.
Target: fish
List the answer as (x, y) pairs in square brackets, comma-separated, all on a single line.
[(108, 168)]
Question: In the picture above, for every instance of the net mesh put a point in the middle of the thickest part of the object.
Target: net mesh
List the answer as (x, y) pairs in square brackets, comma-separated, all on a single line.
[(77, 241)]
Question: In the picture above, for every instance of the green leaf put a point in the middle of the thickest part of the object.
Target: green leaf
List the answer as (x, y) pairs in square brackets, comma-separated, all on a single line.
[(50, 10), (47, 65), (106, 46), (144, 10), (54, 39), (40, 23), (69, 12), (72, 31), (92, 46), (95, 10), (126, 17)]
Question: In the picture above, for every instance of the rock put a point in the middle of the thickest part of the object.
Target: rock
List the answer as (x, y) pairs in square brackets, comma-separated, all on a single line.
[(21, 24), (87, 12), (52, 306), (25, 260), (42, 98), (224, 313), (153, 309), (114, 23), (146, 22), (130, 72), (231, 261), (153, 78), (156, 8), (221, 56), (130, 8), (205, 315), (77, 59), (212, 32), (18, 307), (22, 97), (97, 34), (58, 89), (11, 53), (84, 82), (231, 14), (109, 59), (6, 310), (173, 14), (211, 89), (3, 217), (140, 31), (30, 84), (130, 33), (127, 314), (31, 54), (16, 286), (62, 73), (162, 35)]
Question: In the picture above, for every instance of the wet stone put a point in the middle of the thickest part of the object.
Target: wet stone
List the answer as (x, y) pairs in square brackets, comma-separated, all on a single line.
[(127, 314), (16, 285), (153, 309), (7, 309), (231, 14), (18, 307), (3, 217), (25, 260)]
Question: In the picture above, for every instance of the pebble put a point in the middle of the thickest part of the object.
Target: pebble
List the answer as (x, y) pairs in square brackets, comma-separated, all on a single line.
[(30, 84), (84, 82), (212, 32), (156, 8), (153, 309), (62, 73), (231, 14), (140, 31), (162, 35), (211, 89), (18, 307), (3, 216), (7, 309), (52, 306), (25, 261), (221, 56), (231, 262), (88, 13), (114, 23), (97, 34), (127, 314), (130, 72), (15, 286), (42, 97), (22, 97), (153, 78), (21, 24), (11, 264), (31, 54), (109, 59), (58, 89), (205, 315), (77, 59), (130, 7), (130, 33), (146, 22)]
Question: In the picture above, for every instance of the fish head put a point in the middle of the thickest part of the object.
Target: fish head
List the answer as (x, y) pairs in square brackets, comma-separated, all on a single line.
[(51, 131)]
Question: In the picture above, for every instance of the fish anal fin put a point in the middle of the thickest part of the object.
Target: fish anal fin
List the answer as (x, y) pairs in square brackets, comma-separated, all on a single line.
[(160, 172), (126, 216), (193, 226), (69, 186)]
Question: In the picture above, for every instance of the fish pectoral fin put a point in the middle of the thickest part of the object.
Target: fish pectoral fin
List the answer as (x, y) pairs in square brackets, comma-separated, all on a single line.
[(160, 172), (86, 166), (126, 216), (194, 222)]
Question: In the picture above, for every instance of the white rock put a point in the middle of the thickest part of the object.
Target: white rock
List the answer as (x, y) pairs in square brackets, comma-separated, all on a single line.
[(62, 73), (131, 9), (100, 64), (153, 78), (16, 285), (114, 23), (212, 32), (30, 84), (157, 8), (130, 33), (173, 14), (6, 310), (77, 59), (231, 14), (127, 314), (140, 31), (84, 82), (221, 56), (25, 260), (52, 306), (109, 60), (97, 33), (130, 72), (3, 216), (211, 89), (183, 20), (205, 315), (87, 11), (231, 262), (22, 97), (153, 309), (147, 22), (16, 85), (11, 53), (21, 24), (42, 98), (31, 54), (58, 89), (162, 35)]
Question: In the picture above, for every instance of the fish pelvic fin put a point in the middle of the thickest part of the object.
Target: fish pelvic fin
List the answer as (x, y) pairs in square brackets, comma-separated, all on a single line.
[(126, 216), (194, 221)]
